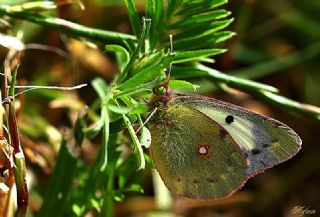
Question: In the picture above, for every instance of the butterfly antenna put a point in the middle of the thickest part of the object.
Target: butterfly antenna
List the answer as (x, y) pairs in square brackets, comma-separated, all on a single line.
[(170, 66), (171, 51), (147, 120)]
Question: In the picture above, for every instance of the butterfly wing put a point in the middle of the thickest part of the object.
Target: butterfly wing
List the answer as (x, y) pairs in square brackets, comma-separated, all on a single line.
[(264, 141), (195, 156)]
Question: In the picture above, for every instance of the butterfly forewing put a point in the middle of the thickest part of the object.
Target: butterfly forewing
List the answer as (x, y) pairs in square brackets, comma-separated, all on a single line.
[(195, 156), (264, 141)]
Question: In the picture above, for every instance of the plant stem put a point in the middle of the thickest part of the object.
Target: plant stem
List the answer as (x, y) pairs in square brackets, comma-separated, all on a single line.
[(68, 27), (19, 159), (308, 111), (107, 208), (21, 182), (144, 34), (242, 84), (265, 92)]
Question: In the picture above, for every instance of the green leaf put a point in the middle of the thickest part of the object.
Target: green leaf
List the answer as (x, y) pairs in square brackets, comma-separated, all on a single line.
[(78, 210), (149, 74), (148, 61), (64, 171), (119, 125), (159, 10), (119, 109), (209, 40), (122, 54), (140, 109), (126, 169), (95, 204), (101, 87), (60, 181), (180, 84), (137, 108), (138, 151), (133, 16), (203, 30), (134, 188), (172, 6), (118, 196), (206, 60), (32, 6), (93, 131), (200, 19), (187, 72), (70, 28), (187, 56), (150, 9), (201, 70), (13, 82), (143, 37), (95, 179), (105, 138), (158, 22), (79, 128), (200, 6), (141, 89)]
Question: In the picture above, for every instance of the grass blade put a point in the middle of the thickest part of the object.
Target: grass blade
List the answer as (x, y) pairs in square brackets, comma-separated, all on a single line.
[(203, 30), (60, 182), (200, 19), (138, 151), (187, 56), (208, 40), (143, 37), (201, 6), (133, 17)]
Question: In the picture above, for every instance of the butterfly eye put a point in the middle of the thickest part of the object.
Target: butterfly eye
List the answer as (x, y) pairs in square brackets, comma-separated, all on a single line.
[(159, 90)]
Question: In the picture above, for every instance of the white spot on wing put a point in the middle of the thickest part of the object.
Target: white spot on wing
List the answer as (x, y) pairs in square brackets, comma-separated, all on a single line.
[(203, 150)]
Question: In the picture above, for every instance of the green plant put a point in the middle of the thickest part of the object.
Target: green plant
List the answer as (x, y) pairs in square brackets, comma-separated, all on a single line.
[(198, 28)]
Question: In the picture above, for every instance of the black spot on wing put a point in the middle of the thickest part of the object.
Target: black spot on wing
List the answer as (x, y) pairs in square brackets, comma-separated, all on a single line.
[(266, 145), (255, 151), (229, 119)]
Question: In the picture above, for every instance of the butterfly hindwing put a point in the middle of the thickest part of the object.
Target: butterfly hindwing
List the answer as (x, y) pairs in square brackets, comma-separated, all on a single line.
[(194, 155), (264, 141)]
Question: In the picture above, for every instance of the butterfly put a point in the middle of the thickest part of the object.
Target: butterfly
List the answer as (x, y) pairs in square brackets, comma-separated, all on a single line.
[(205, 148)]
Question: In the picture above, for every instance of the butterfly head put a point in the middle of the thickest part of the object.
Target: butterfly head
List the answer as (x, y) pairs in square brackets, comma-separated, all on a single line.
[(160, 90), (161, 95)]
